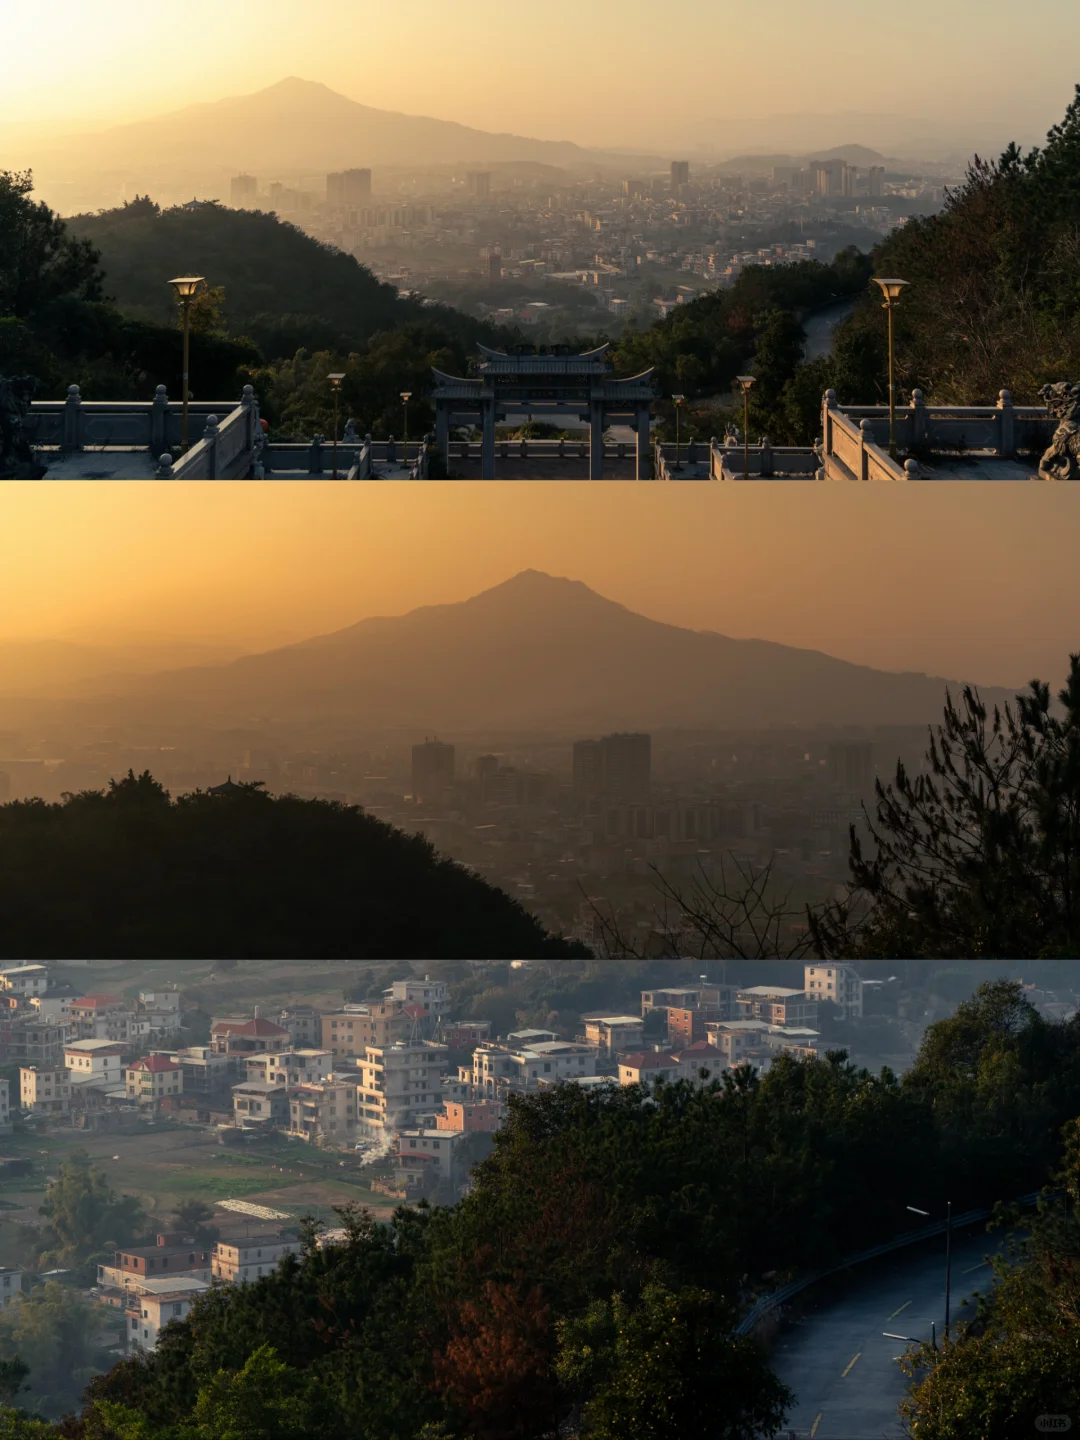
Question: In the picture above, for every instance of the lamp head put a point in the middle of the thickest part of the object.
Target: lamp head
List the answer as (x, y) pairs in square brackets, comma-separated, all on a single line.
[(186, 285), (744, 382), (335, 380), (678, 399), (406, 396), (890, 288)]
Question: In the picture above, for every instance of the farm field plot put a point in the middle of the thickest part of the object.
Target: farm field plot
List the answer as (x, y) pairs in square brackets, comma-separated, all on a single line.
[(167, 1165)]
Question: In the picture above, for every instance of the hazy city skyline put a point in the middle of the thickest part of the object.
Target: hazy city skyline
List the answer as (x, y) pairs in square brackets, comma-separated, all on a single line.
[(571, 81), (912, 577)]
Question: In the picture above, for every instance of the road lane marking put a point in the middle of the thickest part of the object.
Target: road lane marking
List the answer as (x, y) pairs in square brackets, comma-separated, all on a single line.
[(904, 1307), (980, 1266), (851, 1365), (817, 1422)]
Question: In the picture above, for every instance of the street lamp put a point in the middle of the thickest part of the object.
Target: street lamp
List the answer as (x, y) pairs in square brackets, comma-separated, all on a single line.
[(948, 1254), (744, 383), (913, 1340), (891, 291), (406, 396), (678, 409), (335, 385), (186, 287)]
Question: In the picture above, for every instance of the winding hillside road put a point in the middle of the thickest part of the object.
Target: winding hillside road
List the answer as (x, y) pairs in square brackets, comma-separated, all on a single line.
[(835, 1357)]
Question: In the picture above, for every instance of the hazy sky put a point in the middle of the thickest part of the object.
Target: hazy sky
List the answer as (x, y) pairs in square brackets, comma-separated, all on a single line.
[(967, 580), (613, 72)]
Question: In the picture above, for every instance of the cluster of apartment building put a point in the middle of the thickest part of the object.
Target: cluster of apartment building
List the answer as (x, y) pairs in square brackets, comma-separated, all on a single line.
[(152, 1285), (712, 1028), (76, 1053)]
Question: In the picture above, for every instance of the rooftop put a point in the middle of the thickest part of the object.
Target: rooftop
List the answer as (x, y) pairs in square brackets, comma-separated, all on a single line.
[(772, 992), (648, 1060), (257, 1027), (155, 1064)]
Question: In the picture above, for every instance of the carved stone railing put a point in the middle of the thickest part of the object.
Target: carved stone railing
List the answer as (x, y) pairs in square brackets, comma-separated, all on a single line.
[(763, 461), (856, 437), (69, 426)]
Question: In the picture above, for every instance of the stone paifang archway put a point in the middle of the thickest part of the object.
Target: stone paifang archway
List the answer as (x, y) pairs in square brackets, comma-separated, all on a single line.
[(545, 385)]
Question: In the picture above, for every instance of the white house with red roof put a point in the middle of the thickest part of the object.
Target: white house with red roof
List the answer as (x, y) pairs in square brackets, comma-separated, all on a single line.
[(153, 1079)]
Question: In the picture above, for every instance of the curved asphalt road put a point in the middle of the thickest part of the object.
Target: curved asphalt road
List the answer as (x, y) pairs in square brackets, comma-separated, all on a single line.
[(835, 1358)]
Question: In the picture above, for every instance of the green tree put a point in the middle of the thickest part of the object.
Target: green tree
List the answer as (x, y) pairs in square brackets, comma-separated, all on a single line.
[(1020, 1358), (193, 1217), (83, 1215), (980, 854), (668, 1366), (58, 1339), (40, 261), (777, 354)]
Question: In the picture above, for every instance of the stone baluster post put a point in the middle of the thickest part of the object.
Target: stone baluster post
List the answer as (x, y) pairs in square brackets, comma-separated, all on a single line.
[(828, 405), (1006, 424), (643, 456), (766, 458), (251, 415), (73, 419), (487, 443), (159, 421), (164, 469), (314, 464), (596, 440), (920, 421), (210, 435), (866, 437)]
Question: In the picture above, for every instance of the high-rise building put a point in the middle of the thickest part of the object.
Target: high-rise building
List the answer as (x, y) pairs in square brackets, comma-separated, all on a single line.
[(480, 183), (346, 189), (847, 179), (615, 767), (494, 266), (432, 769), (242, 191), (851, 767), (876, 180), (680, 173)]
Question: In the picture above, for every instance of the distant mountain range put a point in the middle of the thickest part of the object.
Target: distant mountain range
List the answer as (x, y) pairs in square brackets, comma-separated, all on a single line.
[(303, 126), (538, 653), (859, 155)]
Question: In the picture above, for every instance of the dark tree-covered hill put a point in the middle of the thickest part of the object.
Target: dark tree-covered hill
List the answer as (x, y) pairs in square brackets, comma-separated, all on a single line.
[(131, 872), (265, 266), (278, 285)]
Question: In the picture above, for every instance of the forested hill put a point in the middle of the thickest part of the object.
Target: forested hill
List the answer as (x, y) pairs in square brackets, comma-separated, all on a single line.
[(131, 872), (278, 286)]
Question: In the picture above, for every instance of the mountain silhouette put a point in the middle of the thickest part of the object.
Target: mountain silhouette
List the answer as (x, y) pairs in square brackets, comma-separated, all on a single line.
[(302, 125), (540, 652)]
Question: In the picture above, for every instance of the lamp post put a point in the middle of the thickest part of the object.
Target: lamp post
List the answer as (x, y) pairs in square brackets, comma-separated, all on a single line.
[(186, 287), (335, 385), (744, 383), (948, 1254), (891, 291), (911, 1339), (406, 396), (678, 410)]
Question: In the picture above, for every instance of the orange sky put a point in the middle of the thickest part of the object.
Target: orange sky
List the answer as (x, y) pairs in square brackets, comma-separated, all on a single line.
[(974, 581), (616, 72)]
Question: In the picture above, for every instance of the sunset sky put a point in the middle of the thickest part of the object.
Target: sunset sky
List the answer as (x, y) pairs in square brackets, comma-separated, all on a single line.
[(973, 581), (615, 72)]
